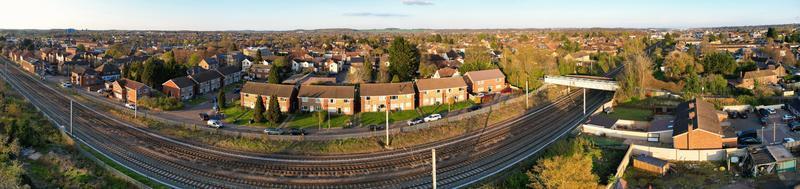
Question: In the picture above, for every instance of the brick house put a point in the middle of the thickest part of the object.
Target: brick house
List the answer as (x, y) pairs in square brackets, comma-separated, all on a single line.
[(396, 96), (206, 81), (230, 74), (750, 78), (179, 87), (446, 72), (284, 93), (129, 90), (108, 72), (698, 125), (209, 63), (441, 91), (83, 76), (334, 99), (486, 81)]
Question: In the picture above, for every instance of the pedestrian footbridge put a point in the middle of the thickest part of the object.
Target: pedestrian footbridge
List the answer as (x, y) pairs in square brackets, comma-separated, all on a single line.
[(589, 82)]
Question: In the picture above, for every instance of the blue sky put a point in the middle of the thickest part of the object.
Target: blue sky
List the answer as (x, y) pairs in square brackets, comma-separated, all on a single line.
[(371, 14)]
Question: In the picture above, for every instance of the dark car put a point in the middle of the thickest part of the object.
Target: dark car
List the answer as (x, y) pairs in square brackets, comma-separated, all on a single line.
[(475, 107), (204, 116), (732, 115), (744, 141), (296, 131), (376, 127), (742, 115), (763, 112), (764, 121), (795, 126)]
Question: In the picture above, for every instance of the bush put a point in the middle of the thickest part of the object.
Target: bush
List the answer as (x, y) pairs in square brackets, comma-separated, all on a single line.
[(161, 103)]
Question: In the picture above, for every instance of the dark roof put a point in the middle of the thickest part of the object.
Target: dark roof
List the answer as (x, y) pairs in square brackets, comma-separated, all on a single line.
[(107, 69), (601, 120), (227, 70), (322, 91), (83, 71), (182, 82), (205, 76), (384, 89), (651, 160), (211, 61), (440, 83), (268, 89), (661, 125), (696, 114)]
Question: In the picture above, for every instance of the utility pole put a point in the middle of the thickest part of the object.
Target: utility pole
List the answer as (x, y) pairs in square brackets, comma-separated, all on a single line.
[(527, 95), (584, 101), (773, 133), (433, 165), (387, 125), (70, 118)]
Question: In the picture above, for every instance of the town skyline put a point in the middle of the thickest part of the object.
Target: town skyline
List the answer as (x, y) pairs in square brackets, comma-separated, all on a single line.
[(403, 14)]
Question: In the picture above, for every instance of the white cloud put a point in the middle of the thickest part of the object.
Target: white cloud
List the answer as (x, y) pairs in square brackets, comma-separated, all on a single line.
[(417, 2)]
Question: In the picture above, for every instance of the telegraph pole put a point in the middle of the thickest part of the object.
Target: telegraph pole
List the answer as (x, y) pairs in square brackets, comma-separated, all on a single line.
[(584, 101), (135, 108), (527, 95), (773, 133), (387, 125), (433, 165)]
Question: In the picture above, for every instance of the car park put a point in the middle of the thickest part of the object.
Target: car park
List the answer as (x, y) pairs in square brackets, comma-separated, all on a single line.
[(296, 131), (214, 123), (130, 106), (376, 127), (274, 131), (414, 121), (432, 117)]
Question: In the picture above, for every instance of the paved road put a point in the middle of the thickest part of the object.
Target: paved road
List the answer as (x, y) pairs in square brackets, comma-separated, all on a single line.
[(461, 161)]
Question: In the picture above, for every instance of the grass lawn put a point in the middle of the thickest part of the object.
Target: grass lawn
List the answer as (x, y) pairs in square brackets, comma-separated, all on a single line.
[(441, 108), (683, 175), (368, 118), (235, 114), (635, 114), (308, 120), (196, 100)]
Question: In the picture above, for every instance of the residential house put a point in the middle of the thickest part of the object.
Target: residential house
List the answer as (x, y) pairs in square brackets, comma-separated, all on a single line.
[(334, 99), (486, 81), (284, 93), (230, 74), (82, 76), (179, 87), (206, 81), (234, 58), (446, 72), (764, 77), (108, 72), (129, 90), (379, 96), (246, 65), (209, 63), (32, 65), (698, 125), (441, 91), (259, 71)]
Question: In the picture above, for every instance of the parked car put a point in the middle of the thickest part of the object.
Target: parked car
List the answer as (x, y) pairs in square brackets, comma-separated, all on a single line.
[(214, 123), (274, 131), (771, 110), (203, 116), (376, 127), (414, 121), (130, 106), (795, 126), (763, 112), (66, 84), (432, 117), (788, 140), (787, 117), (742, 115), (296, 131), (732, 115), (750, 140), (764, 121), (474, 107)]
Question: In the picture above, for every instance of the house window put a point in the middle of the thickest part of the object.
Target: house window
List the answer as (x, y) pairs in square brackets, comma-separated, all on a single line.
[(304, 99), (346, 100), (393, 97), (367, 98), (438, 91), (332, 101)]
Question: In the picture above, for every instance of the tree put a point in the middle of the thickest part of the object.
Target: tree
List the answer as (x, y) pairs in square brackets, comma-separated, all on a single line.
[(716, 84), (633, 76), (258, 110), (566, 67), (678, 64), (194, 59), (771, 33), (320, 115), (426, 70), (475, 59), (404, 59), (719, 63), (564, 171), (274, 76), (693, 86), (274, 111), (81, 47), (221, 98), (367, 70), (258, 57)]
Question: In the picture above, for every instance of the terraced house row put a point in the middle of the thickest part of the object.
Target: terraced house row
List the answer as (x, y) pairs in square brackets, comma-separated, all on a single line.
[(373, 97)]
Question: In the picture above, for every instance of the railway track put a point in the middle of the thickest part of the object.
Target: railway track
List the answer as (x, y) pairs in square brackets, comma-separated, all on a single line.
[(179, 164)]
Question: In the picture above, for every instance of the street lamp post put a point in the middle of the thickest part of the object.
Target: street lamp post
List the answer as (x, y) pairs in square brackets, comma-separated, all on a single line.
[(433, 166)]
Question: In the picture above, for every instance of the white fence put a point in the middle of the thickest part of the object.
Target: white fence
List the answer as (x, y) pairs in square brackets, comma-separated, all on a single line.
[(661, 136), (686, 155)]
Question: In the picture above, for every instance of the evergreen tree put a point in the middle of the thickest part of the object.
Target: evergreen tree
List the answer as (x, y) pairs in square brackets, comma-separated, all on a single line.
[(221, 98), (258, 57), (258, 110), (274, 75), (404, 59), (274, 112)]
